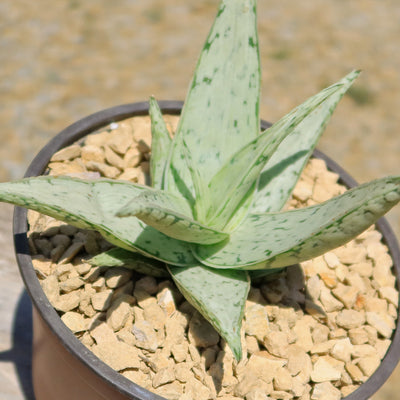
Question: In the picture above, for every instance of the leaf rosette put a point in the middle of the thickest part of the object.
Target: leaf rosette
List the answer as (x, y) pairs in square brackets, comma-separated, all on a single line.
[(213, 215)]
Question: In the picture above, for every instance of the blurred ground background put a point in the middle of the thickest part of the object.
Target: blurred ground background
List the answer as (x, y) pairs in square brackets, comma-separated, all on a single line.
[(60, 61)]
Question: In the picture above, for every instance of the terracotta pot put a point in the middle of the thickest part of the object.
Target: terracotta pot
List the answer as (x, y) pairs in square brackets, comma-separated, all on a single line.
[(63, 368)]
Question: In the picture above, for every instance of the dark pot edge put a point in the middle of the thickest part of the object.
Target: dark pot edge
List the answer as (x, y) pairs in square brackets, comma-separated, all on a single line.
[(90, 124)]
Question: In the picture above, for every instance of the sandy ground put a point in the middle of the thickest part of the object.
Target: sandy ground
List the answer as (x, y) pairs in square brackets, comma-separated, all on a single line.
[(60, 61)]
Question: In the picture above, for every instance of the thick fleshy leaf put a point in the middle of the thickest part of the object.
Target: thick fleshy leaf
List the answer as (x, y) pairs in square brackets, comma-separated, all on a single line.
[(160, 145), (202, 204), (293, 236), (219, 295), (92, 205), (118, 257), (170, 215), (221, 111), (282, 170), (237, 180)]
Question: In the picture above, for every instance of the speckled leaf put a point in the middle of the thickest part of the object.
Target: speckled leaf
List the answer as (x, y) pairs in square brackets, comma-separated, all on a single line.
[(282, 170), (202, 203), (289, 237), (221, 111), (219, 295), (237, 180), (118, 257), (92, 205), (160, 145), (170, 215)]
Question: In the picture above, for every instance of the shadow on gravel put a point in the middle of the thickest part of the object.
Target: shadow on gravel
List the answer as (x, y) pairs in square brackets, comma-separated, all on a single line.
[(21, 352)]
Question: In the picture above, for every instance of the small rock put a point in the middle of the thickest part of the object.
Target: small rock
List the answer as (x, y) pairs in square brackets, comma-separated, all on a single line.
[(145, 335), (118, 355), (358, 336), (329, 302), (362, 350), (283, 380), (256, 321), (179, 351), (71, 284), (382, 324), (92, 153), (346, 390), (166, 301), (276, 343), (299, 363), (349, 254), (154, 314), (74, 321), (123, 141), (104, 169), (113, 158), (355, 372), (377, 305), (325, 369), (349, 319), (364, 269), (165, 375), (102, 300), (67, 153), (119, 312), (381, 347), (342, 350), (102, 333), (329, 278), (369, 364), (116, 277), (71, 252), (147, 284), (325, 391), (346, 294), (51, 288), (132, 158), (331, 259), (390, 294), (303, 332), (67, 302), (320, 334)]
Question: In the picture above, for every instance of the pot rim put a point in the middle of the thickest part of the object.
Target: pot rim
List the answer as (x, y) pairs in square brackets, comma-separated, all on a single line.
[(92, 123)]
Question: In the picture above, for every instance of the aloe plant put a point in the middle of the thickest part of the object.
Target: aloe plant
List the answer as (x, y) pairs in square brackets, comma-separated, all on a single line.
[(212, 218)]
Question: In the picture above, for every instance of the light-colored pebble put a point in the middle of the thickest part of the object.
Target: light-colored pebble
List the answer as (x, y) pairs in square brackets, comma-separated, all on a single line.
[(102, 300), (75, 321)]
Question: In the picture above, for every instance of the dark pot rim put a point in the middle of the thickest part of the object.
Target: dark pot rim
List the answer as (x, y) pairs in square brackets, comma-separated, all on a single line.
[(92, 123)]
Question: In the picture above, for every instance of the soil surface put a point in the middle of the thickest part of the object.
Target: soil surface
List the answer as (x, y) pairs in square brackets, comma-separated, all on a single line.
[(63, 60)]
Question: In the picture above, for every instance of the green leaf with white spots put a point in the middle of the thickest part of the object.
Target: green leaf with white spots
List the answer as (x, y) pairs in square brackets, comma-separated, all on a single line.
[(221, 110), (92, 205), (282, 170), (170, 215), (293, 236), (237, 180), (160, 145), (219, 295), (202, 204), (118, 257)]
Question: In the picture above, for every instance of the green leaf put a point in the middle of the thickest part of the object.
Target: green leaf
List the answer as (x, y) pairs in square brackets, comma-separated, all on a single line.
[(92, 205), (118, 257), (170, 215), (219, 295), (293, 236), (221, 111), (202, 205), (237, 180), (160, 145), (282, 170)]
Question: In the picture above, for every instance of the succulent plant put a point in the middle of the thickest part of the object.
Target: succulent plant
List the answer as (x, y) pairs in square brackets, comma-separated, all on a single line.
[(212, 219)]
